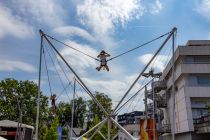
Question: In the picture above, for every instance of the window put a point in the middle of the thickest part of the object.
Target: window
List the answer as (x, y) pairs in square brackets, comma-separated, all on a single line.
[(202, 59), (203, 80)]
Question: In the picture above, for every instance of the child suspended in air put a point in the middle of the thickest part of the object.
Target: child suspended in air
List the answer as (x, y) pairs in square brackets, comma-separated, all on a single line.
[(53, 99), (103, 55)]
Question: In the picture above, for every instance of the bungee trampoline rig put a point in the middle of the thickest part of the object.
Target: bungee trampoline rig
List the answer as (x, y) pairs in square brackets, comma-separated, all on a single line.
[(109, 116)]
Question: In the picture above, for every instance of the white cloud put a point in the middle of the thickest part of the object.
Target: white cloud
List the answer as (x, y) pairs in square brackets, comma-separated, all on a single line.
[(12, 65), (158, 63), (78, 60), (156, 7), (203, 8), (12, 25), (74, 31), (102, 16), (49, 12), (115, 89)]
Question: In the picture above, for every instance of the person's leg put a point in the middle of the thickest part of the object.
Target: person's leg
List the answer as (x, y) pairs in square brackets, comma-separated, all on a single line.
[(107, 68), (99, 68)]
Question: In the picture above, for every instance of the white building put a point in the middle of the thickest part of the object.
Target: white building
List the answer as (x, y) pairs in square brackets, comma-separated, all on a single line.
[(192, 92)]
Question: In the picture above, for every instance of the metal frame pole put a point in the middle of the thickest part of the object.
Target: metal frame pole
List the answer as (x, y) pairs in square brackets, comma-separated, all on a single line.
[(89, 92), (123, 129), (109, 129), (39, 83), (98, 129), (162, 45), (102, 135), (145, 102), (132, 97), (114, 136), (72, 110), (153, 111), (92, 129), (173, 87)]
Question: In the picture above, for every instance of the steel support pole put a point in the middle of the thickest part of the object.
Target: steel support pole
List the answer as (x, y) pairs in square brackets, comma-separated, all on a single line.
[(153, 111), (145, 102), (162, 45), (72, 110), (92, 129), (102, 135), (78, 78), (98, 129), (123, 129), (38, 94), (173, 88), (109, 128), (115, 136), (131, 97)]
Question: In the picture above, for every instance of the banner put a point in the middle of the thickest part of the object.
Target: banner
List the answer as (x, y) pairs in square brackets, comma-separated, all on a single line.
[(147, 129), (59, 133)]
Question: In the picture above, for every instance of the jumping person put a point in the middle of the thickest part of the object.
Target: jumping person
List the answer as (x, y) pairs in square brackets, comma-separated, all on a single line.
[(103, 55), (53, 99)]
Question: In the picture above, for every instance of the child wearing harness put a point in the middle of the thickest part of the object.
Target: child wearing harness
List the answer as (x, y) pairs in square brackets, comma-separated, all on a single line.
[(53, 99), (103, 55)]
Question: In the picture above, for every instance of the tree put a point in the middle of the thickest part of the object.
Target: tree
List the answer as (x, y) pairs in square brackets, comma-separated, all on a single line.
[(104, 100), (104, 129), (21, 96), (97, 114), (52, 133), (64, 112)]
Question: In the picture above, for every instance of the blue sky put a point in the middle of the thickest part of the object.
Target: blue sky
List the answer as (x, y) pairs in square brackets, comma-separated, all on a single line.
[(92, 26)]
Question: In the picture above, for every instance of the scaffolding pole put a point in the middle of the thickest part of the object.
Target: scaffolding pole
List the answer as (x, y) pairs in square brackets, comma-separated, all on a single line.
[(38, 94), (145, 102), (72, 111), (109, 128), (98, 129), (100, 123), (102, 135), (173, 87), (123, 129), (153, 110)]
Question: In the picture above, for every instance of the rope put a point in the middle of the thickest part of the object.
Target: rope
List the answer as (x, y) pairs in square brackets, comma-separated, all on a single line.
[(57, 73), (48, 78), (139, 46), (114, 56), (132, 97), (72, 47), (63, 90), (69, 81)]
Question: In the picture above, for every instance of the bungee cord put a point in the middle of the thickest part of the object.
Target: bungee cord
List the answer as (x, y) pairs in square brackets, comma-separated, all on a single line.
[(138, 46), (144, 44), (46, 67), (57, 73), (72, 47)]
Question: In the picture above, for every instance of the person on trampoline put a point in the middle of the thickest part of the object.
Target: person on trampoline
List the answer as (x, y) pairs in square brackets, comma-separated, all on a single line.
[(53, 99), (103, 55)]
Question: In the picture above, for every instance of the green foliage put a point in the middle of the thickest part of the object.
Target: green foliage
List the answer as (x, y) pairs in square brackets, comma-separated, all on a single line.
[(104, 129), (24, 93), (52, 133), (105, 101), (64, 112)]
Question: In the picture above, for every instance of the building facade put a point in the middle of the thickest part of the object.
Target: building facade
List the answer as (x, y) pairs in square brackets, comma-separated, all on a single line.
[(131, 123), (188, 111)]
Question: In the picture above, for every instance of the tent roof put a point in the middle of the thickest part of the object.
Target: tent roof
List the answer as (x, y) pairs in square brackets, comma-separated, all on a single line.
[(8, 123)]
